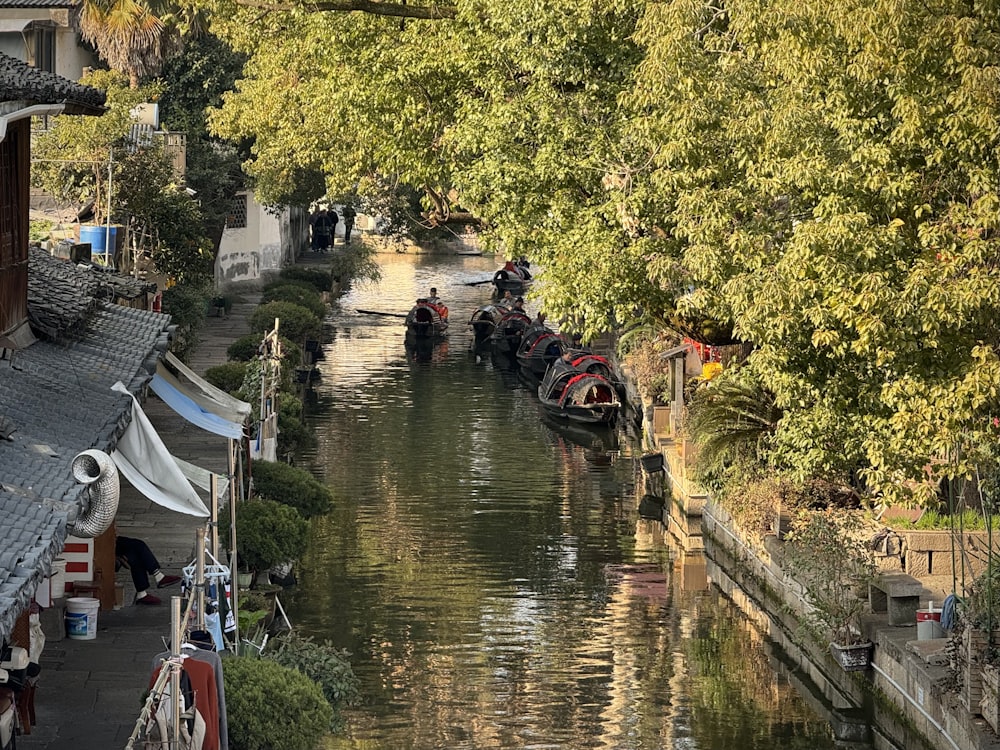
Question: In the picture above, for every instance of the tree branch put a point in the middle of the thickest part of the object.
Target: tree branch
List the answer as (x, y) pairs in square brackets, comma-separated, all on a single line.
[(374, 7)]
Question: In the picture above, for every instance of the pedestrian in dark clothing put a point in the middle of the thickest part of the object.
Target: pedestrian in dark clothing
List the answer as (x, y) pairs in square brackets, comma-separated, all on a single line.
[(136, 555), (323, 224), (348, 214)]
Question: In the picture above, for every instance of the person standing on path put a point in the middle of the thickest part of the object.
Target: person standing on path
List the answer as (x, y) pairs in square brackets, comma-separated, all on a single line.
[(348, 213), (323, 225)]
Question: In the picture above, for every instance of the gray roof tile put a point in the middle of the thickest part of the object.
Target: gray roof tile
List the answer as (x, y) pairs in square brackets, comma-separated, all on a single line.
[(58, 397), (21, 82), (29, 545)]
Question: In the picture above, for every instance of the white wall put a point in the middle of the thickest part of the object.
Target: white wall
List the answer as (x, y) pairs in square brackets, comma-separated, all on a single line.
[(249, 256)]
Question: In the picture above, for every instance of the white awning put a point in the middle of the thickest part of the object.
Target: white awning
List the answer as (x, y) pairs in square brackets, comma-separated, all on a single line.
[(203, 478), (201, 391), (145, 461), (178, 398)]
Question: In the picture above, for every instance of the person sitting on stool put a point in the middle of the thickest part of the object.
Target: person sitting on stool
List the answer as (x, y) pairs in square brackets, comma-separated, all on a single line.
[(136, 555)]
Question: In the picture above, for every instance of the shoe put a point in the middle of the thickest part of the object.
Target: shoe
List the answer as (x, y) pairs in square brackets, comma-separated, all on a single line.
[(168, 581), (148, 599)]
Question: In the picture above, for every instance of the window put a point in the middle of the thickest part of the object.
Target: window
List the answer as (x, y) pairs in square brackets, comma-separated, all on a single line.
[(45, 49), (237, 213)]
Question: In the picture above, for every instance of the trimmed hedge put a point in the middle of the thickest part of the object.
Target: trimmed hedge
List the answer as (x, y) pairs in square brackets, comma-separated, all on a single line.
[(228, 377), (273, 707), (321, 281), (299, 293), (297, 322), (293, 486)]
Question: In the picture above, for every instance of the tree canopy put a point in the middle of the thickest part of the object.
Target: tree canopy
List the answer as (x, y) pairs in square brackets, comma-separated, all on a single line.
[(820, 177)]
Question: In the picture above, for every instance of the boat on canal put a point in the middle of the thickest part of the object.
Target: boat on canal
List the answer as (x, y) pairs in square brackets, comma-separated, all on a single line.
[(484, 322), (567, 393), (584, 360), (513, 277), (540, 346), (427, 319), (506, 337)]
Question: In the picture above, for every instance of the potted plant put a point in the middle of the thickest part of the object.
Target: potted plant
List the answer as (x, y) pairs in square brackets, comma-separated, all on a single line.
[(268, 533), (828, 555)]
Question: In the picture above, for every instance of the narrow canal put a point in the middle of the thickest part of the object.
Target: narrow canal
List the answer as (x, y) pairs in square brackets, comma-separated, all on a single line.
[(489, 573)]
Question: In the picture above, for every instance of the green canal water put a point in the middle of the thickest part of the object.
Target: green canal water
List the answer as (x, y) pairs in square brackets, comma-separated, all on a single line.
[(488, 570)]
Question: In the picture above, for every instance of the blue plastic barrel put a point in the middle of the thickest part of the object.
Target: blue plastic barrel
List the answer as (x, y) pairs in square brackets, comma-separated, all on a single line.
[(99, 237)]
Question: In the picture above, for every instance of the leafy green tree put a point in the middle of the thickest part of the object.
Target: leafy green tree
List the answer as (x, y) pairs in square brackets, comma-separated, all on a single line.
[(833, 190), (193, 80)]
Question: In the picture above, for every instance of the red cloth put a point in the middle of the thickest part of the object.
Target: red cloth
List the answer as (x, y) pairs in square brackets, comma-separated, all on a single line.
[(206, 697)]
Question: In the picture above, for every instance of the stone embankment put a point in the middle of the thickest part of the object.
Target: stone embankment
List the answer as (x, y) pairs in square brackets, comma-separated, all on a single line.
[(918, 691)]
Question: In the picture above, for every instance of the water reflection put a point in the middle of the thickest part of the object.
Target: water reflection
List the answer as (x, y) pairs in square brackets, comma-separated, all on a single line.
[(489, 571)]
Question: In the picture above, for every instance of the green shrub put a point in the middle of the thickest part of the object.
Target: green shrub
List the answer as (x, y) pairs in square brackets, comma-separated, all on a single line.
[(329, 666), (268, 533), (293, 436), (187, 305), (292, 486), (300, 293), (272, 707), (297, 323), (321, 281), (228, 377)]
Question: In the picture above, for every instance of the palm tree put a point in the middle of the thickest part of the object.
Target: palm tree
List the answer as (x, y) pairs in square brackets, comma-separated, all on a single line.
[(731, 420), (128, 34)]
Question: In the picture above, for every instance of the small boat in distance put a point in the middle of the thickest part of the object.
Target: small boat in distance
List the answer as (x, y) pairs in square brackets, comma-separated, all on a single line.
[(427, 319), (513, 277), (581, 396)]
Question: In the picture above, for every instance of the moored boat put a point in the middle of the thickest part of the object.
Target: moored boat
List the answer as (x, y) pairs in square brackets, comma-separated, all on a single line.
[(539, 348), (507, 335), (484, 321), (427, 319), (581, 396), (584, 360)]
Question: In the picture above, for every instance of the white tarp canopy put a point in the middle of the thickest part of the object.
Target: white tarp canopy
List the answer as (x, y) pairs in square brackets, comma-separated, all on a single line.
[(179, 398), (201, 391), (145, 461), (203, 478)]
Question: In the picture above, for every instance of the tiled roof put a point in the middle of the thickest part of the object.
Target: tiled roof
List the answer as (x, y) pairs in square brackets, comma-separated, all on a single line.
[(57, 400), (21, 82), (30, 536), (62, 295)]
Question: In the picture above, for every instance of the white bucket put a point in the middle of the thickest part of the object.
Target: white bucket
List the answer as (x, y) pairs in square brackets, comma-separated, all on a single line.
[(929, 624), (57, 578), (81, 617)]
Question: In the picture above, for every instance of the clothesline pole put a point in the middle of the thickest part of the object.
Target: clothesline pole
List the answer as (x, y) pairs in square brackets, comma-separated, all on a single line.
[(213, 489), (176, 637), (234, 562), (147, 708), (199, 578)]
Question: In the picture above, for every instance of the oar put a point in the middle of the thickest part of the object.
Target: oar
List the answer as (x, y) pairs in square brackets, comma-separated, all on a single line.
[(477, 283), (376, 312)]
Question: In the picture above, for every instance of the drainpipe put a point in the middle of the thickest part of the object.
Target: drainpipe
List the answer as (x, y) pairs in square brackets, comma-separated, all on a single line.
[(96, 469), (916, 705)]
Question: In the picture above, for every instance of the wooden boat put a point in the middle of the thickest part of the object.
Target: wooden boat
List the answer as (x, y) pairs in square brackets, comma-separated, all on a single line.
[(484, 321), (581, 396), (427, 320), (539, 348), (507, 335), (514, 277), (584, 360)]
